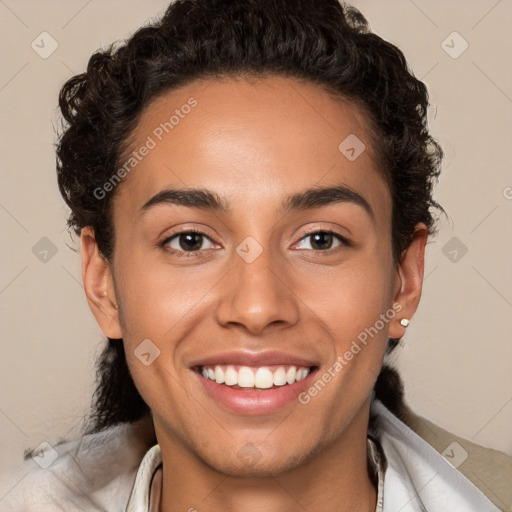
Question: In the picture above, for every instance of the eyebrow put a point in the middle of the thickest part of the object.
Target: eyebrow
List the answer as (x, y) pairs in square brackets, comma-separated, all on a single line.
[(208, 200)]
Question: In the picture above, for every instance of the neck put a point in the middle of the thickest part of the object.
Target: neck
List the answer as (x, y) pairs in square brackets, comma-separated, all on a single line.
[(335, 479)]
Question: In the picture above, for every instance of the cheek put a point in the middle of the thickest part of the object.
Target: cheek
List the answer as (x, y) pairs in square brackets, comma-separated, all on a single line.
[(349, 298), (155, 297)]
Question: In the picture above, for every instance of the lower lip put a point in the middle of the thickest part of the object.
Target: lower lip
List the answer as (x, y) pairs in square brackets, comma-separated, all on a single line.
[(255, 402)]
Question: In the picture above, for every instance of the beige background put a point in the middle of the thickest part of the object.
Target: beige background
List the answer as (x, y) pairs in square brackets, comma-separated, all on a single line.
[(457, 355)]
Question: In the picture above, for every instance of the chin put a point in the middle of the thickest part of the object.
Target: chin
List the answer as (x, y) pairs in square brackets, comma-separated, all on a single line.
[(251, 462)]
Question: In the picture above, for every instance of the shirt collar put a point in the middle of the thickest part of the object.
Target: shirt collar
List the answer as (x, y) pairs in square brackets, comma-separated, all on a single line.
[(145, 497)]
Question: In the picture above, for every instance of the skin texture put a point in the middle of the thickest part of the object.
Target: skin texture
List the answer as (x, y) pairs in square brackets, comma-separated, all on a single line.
[(254, 143)]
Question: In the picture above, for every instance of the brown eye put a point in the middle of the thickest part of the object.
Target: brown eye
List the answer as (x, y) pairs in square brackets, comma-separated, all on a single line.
[(322, 241), (190, 241), (187, 241)]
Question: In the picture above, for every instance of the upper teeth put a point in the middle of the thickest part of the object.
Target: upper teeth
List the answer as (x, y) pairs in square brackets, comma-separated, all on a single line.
[(248, 377)]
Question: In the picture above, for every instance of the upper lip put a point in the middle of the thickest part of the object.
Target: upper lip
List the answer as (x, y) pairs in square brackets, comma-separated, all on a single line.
[(253, 359)]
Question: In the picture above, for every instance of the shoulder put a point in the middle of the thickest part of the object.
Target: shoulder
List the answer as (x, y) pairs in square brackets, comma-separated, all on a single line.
[(489, 470), (433, 467), (91, 473)]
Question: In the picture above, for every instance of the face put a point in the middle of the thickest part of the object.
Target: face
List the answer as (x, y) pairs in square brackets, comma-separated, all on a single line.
[(252, 256)]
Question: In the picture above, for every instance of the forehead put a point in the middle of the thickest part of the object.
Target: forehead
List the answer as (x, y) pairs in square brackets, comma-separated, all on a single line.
[(250, 140)]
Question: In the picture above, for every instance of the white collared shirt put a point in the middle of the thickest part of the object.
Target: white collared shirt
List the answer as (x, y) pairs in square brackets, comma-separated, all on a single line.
[(104, 472)]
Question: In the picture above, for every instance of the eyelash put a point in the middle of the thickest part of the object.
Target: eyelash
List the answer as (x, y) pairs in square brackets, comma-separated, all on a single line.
[(344, 242)]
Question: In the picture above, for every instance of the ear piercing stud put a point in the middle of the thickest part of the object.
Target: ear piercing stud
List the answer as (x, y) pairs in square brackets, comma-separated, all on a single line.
[(405, 322)]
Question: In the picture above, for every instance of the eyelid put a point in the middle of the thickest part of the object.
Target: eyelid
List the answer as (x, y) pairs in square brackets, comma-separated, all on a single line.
[(318, 227)]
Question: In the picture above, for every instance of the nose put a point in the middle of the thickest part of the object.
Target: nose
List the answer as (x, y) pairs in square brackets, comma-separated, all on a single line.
[(257, 295)]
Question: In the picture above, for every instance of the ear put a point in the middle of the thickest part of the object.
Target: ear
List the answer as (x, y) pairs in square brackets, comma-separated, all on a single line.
[(99, 286), (409, 280)]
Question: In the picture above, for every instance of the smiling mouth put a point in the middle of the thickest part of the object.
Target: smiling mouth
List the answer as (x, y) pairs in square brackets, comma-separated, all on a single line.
[(254, 378)]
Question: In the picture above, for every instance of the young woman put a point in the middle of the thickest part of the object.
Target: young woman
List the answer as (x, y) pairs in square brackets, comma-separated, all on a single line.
[(252, 185)]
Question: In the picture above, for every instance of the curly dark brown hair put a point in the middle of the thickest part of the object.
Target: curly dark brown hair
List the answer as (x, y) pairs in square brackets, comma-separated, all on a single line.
[(316, 41)]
